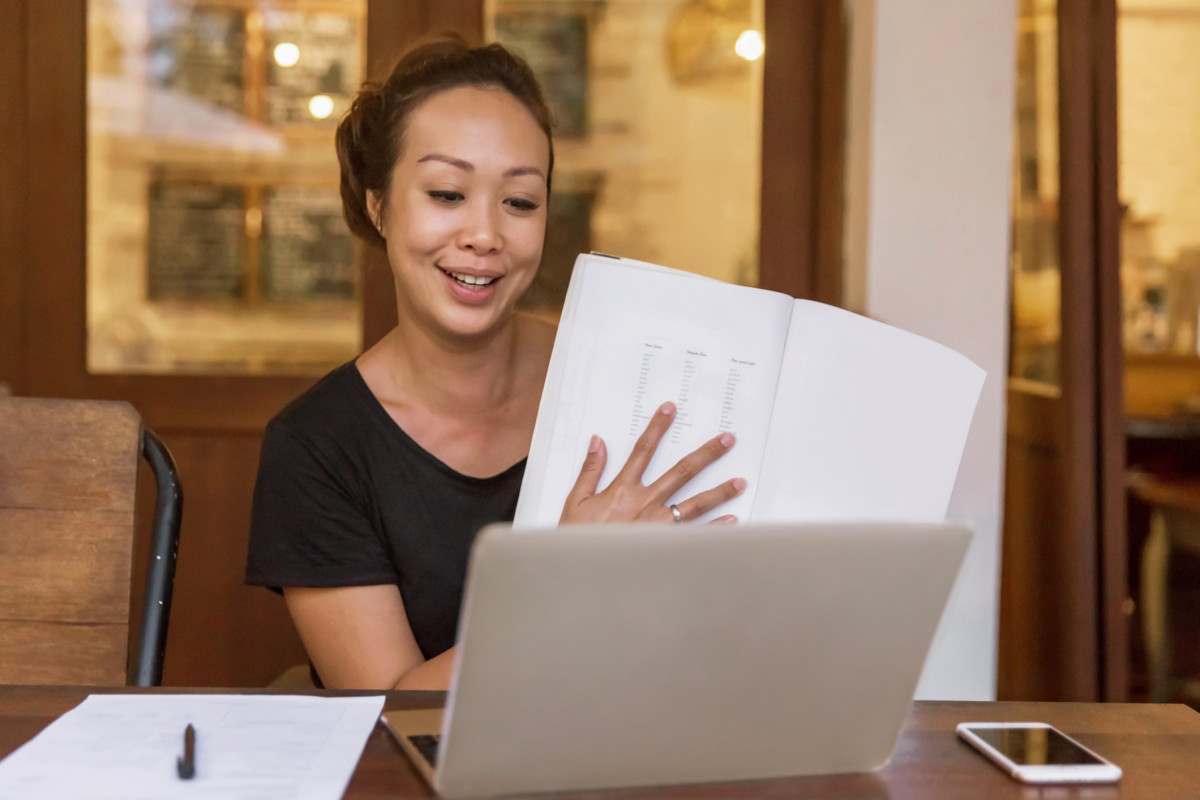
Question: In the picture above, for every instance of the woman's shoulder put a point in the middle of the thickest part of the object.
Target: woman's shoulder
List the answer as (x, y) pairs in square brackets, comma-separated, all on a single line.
[(336, 396)]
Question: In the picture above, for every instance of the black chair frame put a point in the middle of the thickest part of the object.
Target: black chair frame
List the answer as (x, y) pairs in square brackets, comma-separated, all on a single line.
[(160, 572)]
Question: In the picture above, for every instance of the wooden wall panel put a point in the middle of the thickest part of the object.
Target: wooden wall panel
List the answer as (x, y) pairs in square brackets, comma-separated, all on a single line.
[(1032, 622), (38, 654), (41, 459), (65, 566), (12, 176), (54, 109), (222, 633), (68, 478)]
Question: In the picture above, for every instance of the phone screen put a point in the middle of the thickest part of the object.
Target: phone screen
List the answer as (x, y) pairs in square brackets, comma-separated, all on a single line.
[(1035, 746)]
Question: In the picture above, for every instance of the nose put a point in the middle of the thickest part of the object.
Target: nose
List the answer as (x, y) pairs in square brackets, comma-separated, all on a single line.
[(481, 229)]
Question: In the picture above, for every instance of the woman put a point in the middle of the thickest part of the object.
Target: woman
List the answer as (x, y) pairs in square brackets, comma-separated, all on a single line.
[(373, 483)]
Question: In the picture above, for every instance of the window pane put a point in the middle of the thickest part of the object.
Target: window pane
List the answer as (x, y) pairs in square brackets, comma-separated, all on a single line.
[(215, 236), (1159, 118), (658, 141), (1035, 321)]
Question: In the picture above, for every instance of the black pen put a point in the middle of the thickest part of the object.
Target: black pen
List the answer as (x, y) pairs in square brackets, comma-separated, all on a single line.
[(187, 764)]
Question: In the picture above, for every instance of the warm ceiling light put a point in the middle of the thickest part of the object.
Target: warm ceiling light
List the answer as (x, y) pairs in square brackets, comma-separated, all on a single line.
[(749, 45), (321, 106), (286, 54)]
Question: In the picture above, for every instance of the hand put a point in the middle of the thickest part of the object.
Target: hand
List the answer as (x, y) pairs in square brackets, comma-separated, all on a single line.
[(626, 499)]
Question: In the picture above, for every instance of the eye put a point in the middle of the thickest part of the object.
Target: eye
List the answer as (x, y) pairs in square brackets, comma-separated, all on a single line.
[(446, 196), (521, 204)]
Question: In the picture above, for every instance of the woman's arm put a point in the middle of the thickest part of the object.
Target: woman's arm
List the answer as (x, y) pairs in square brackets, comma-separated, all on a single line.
[(358, 637)]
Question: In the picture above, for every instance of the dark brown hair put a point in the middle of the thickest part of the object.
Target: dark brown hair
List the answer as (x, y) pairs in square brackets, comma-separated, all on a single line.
[(370, 136)]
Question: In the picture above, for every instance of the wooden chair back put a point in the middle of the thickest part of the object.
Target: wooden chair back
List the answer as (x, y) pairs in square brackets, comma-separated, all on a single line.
[(68, 487)]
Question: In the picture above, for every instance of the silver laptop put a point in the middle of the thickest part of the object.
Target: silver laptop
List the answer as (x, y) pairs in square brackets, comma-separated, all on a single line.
[(606, 656)]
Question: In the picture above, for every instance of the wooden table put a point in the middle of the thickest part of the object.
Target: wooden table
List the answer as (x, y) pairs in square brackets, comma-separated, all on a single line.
[(1158, 747)]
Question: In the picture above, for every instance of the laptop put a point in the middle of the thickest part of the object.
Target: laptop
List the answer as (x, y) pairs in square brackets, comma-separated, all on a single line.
[(597, 657)]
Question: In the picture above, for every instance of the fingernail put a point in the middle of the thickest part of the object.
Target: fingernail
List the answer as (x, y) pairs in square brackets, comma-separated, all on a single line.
[(739, 484), (667, 408), (594, 444), (727, 440), (730, 520)]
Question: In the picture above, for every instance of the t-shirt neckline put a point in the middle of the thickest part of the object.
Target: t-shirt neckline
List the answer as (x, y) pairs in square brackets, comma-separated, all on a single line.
[(378, 409)]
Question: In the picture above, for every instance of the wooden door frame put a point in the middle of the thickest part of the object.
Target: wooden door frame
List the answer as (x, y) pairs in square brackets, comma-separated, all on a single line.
[(1114, 537), (12, 191), (1077, 433), (803, 148), (1063, 626), (1092, 353), (54, 359)]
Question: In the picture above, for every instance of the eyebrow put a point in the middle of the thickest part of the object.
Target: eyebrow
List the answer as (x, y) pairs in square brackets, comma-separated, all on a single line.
[(467, 166)]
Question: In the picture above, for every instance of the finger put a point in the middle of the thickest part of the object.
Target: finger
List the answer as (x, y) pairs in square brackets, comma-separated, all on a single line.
[(647, 444), (728, 519), (589, 474), (704, 502), (689, 467)]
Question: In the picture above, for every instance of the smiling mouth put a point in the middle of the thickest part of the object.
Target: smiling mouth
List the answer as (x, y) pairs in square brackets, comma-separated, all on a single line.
[(472, 281)]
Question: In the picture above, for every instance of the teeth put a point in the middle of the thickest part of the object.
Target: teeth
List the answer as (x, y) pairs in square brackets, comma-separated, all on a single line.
[(472, 280)]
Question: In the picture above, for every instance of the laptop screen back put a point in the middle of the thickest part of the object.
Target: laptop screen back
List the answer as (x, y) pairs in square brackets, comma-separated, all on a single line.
[(597, 657)]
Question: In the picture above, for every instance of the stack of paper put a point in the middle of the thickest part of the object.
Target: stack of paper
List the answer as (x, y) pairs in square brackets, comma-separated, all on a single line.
[(265, 747)]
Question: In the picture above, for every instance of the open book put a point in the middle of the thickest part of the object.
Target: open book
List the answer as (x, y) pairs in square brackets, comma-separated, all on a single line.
[(837, 417)]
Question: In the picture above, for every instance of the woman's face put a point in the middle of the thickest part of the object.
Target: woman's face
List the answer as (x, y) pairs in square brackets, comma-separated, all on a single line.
[(466, 215)]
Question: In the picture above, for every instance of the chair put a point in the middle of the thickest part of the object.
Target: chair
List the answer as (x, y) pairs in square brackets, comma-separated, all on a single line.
[(1174, 504), (68, 491)]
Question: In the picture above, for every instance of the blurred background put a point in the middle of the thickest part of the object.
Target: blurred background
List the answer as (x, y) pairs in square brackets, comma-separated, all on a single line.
[(171, 235)]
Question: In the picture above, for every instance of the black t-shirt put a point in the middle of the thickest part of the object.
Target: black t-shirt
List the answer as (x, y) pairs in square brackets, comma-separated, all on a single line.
[(345, 497)]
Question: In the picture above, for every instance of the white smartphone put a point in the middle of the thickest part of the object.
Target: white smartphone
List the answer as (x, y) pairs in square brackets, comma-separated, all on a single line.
[(1035, 752)]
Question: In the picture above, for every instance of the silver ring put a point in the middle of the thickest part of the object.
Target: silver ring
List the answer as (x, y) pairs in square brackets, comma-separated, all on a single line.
[(676, 513)]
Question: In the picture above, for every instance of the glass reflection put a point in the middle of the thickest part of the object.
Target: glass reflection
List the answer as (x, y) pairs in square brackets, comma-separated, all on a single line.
[(215, 240), (658, 138), (1159, 119), (1035, 314)]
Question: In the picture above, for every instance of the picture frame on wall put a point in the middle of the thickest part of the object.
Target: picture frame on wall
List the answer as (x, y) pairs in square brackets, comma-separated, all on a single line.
[(556, 46), (195, 241)]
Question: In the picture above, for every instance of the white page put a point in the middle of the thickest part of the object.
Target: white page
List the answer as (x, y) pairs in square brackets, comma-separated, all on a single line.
[(633, 338), (869, 423), (533, 491), (264, 747)]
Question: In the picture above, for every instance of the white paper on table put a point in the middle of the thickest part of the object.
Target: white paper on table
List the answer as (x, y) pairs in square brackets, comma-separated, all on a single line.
[(265, 747)]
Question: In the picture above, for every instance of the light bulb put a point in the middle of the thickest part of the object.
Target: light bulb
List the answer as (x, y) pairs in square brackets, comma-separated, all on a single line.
[(320, 106), (286, 54), (749, 45)]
